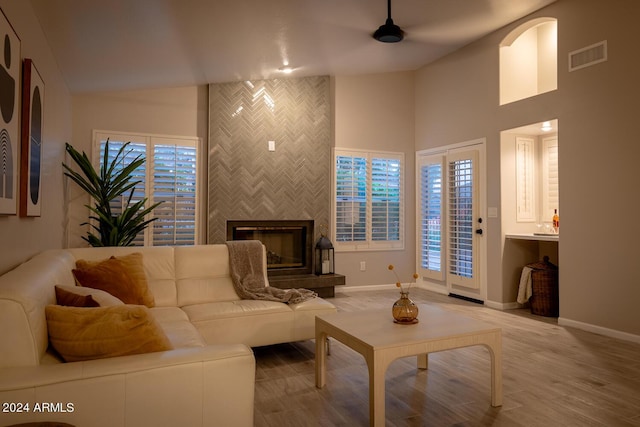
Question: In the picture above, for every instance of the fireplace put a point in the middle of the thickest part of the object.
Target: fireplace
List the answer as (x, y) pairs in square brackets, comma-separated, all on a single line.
[(289, 244)]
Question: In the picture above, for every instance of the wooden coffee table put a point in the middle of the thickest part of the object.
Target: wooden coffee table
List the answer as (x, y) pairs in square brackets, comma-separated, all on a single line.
[(373, 334)]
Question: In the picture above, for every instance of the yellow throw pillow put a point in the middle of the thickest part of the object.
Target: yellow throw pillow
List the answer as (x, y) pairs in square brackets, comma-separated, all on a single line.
[(79, 333), (123, 277)]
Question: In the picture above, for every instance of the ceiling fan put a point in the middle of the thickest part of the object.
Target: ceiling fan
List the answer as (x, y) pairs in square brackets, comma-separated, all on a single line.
[(389, 32)]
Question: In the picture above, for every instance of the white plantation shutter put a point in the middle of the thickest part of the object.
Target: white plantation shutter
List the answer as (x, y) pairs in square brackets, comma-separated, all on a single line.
[(550, 178), (133, 150), (385, 199), (169, 175), (461, 218), (369, 200), (174, 184), (430, 212), (351, 198), (525, 176)]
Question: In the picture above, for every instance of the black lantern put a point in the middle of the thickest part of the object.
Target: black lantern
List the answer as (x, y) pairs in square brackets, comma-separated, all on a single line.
[(324, 256)]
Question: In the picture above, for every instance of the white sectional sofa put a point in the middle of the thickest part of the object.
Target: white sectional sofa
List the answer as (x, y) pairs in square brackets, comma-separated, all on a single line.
[(206, 380)]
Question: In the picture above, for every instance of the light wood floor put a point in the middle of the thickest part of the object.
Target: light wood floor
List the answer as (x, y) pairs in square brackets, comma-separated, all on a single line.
[(553, 376)]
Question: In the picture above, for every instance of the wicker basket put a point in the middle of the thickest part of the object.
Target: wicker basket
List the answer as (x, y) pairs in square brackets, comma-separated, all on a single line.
[(544, 288)]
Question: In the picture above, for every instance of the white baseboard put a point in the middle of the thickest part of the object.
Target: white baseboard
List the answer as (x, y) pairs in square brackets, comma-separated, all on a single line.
[(599, 330), (347, 289), (502, 305)]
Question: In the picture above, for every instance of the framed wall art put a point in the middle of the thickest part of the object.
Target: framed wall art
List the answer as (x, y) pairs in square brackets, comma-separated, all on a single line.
[(31, 146), (9, 116)]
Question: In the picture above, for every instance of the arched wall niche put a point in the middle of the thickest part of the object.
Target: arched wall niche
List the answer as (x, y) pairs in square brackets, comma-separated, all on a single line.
[(529, 60)]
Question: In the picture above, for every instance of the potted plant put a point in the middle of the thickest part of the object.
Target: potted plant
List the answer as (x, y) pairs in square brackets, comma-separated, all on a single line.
[(104, 187)]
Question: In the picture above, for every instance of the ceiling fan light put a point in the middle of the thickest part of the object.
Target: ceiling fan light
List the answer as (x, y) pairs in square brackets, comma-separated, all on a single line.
[(389, 32)]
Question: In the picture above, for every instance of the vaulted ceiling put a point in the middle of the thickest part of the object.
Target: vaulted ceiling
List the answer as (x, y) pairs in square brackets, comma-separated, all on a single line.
[(133, 44)]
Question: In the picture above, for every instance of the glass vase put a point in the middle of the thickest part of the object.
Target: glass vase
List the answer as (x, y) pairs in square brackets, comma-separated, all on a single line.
[(404, 310)]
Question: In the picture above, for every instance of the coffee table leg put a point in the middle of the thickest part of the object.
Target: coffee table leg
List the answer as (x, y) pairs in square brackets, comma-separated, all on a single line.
[(321, 357), (423, 361), (377, 370), (495, 350)]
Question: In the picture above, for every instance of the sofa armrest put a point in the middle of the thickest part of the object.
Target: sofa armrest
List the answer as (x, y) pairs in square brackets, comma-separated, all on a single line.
[(212, 385)]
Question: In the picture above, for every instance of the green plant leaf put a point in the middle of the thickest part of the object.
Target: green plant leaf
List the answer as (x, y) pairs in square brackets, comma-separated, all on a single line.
[(105, 187)]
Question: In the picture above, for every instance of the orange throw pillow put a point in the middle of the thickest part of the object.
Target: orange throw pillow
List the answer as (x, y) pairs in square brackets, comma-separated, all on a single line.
[(123, 277), (79, 333)]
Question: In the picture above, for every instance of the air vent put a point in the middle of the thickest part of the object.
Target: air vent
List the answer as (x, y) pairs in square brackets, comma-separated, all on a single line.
[(588, 56)]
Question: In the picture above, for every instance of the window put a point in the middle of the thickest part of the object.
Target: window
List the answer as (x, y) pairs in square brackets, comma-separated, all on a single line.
[(369, 200), (169, 175)]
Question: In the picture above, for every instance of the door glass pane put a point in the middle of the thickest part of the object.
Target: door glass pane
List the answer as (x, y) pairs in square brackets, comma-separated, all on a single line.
[(461, 218), (431, 208)]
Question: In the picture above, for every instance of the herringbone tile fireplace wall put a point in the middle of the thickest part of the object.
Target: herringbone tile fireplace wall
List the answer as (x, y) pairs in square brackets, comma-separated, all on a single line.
[(246, 180)]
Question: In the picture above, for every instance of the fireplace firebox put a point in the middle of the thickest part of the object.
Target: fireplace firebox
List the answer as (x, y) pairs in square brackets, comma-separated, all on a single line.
[(289, 243)]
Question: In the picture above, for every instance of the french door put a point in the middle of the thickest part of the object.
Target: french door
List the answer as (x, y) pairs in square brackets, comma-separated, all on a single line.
[(462, 217), (450, 226)]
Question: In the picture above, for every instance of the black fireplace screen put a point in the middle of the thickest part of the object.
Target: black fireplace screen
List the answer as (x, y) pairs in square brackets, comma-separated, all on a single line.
[(288, 243)]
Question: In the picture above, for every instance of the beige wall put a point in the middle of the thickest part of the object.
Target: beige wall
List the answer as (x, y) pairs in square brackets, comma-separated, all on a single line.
[(457, 100), (181, 111), (375, 112), (22, 238)]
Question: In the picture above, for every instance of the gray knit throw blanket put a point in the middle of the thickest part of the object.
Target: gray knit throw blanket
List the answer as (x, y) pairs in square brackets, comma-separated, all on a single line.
[(246, 263)]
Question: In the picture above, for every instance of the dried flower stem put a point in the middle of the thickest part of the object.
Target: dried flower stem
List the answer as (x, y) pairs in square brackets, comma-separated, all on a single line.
[(399, 283)]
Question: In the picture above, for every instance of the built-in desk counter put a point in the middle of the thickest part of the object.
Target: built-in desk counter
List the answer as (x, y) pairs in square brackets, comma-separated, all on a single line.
[(529, 247), (534, 236)]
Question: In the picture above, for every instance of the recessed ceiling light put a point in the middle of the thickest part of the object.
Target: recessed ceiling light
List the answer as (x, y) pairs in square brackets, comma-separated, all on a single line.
[(546, 127)]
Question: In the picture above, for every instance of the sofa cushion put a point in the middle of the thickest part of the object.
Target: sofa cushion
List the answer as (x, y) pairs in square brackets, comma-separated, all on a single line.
[(94, 333), (234, 309), (158, 262), (250, 322), (64, 294), (176, 325), (123, 277), (202, 274)]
